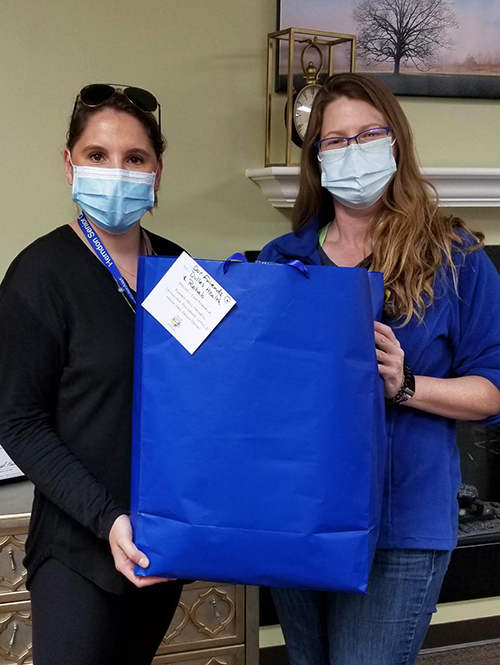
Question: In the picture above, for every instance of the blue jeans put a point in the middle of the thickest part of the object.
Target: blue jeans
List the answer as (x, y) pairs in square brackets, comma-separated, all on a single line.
[(385, 627)]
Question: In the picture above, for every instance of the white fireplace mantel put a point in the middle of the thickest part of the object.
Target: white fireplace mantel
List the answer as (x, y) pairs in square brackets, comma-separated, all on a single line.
[(457, 187)]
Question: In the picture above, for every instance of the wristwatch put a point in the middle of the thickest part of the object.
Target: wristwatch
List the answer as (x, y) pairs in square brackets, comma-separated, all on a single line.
[(407, 390)]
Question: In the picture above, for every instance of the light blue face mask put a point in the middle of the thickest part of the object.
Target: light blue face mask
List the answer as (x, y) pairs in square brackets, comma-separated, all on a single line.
[(356, 176), (115, 199)]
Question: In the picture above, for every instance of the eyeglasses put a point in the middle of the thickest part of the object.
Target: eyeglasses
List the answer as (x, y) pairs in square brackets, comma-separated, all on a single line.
[(96, 94), (367, 140)]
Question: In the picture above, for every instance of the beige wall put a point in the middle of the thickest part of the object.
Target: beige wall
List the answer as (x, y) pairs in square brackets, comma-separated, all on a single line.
[(205, 60)]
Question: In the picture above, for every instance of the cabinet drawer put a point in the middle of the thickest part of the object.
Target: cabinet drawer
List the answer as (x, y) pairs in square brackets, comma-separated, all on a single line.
[(208, 615), (12, 572), (13, 531), (224, 656), (15, 634)]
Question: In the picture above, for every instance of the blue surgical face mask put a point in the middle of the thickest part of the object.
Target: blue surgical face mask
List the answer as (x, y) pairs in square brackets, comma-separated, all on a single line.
[(115, 199), (356, 176)]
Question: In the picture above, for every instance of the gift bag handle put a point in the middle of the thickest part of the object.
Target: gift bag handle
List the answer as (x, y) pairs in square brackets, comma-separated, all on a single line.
[(234, 257), (298, 265)]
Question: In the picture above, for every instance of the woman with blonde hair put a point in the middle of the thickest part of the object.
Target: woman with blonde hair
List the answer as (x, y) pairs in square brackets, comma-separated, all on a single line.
[(363, 202)]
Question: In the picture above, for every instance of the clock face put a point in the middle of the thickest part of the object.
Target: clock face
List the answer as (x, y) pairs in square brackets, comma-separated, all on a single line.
[(302, 108)]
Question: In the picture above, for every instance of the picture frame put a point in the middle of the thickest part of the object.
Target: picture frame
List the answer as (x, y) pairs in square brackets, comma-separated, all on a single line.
[(453, 54)]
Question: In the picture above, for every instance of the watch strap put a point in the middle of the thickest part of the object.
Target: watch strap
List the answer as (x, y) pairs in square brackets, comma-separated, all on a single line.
[(407, 389)]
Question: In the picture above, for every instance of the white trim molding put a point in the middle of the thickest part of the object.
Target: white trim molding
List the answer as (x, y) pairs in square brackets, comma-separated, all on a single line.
[(457, 187)]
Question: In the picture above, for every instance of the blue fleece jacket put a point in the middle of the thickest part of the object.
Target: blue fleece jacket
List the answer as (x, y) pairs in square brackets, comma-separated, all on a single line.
[(460, 336)]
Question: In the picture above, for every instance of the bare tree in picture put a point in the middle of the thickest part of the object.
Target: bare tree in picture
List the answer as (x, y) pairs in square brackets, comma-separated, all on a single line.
[(403, 31)]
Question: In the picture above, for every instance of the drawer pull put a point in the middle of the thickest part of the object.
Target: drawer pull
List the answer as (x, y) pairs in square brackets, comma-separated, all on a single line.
[(216, 611), (13, 566), (15, 628)]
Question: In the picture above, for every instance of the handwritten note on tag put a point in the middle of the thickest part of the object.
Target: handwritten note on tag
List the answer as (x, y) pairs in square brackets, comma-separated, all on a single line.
[(7, 467), (188, 302)]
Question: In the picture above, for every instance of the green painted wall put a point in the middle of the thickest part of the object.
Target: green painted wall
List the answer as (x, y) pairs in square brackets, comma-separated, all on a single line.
[(205, 61)]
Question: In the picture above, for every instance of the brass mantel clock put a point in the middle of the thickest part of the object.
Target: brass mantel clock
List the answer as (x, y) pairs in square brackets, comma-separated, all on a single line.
[(299, 97), (303, 99)]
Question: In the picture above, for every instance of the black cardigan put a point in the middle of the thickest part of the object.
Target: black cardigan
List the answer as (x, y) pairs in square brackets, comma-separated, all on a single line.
[(66, 371)]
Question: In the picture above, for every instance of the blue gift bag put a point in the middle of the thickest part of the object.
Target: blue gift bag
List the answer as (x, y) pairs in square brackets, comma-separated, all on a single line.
[(260, 459)]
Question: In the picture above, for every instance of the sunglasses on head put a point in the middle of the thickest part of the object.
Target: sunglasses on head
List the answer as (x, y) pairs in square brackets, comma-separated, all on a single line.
[(96, 94)]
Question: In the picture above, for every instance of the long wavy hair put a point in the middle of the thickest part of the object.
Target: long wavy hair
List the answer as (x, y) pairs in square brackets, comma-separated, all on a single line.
[(411, 238)]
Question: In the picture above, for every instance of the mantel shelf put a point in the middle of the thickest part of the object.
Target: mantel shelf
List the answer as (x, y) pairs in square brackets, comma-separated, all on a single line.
[(457, 187)]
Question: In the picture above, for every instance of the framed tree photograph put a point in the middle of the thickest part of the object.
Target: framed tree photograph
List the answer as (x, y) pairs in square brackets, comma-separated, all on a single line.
[(436, 48)]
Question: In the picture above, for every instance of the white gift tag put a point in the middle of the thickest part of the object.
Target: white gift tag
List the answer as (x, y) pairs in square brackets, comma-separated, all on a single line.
[(188, 302), (7, 467)]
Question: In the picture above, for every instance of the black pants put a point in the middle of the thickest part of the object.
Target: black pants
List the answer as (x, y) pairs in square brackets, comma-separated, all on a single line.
[(77, 623)]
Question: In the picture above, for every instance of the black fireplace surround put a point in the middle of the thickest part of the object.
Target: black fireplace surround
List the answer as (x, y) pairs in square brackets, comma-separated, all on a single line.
[(474, 571)]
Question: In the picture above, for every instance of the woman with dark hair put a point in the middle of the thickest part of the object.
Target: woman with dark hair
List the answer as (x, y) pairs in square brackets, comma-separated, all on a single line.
[(363, 202), (67, 307)]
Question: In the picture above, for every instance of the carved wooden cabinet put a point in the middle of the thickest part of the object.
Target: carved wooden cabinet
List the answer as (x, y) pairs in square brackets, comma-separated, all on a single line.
[(15, 613), (214, 624)]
